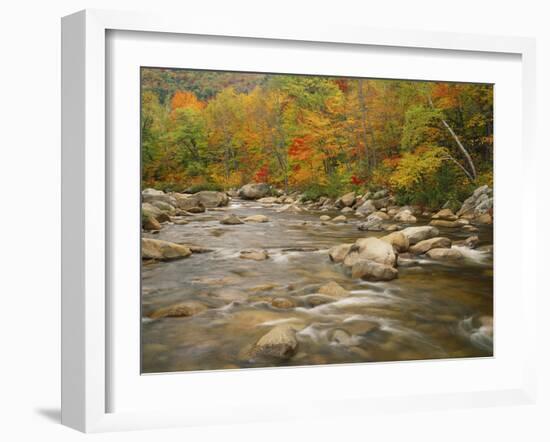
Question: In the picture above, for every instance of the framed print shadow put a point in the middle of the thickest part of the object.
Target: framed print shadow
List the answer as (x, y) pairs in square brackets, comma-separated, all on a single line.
[(301, 220), (264, 222)]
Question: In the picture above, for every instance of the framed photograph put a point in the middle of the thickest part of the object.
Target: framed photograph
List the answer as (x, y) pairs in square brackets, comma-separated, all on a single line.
[(265, 222)]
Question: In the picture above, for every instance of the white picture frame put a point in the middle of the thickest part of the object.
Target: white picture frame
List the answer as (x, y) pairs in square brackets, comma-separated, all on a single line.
[(85, 202)]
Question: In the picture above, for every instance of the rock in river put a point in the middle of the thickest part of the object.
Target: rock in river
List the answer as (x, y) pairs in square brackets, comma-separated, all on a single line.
[(256, 255), (231, 220), (324, 218), (405, 216), (445, 254), (210, 198), (399, 241), (254, 191), (428, 244), (373, 249), (338, 253), (445, 214), (334, 290), (183, 309), (346, 201), (149, 222), (279, 343), (445, 223), (283, 303), (162, 250), (339, 219), (373, 271), (417, 234), (256, 219)]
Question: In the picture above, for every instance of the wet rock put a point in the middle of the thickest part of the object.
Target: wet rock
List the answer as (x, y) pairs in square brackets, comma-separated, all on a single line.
[(256, 219), (405, 216), (180, 310), (339, 219), (417, 234), (372, 223), (445, 214), (179, 221), (373, 271), (256, 255), (231, 220), (470, 228), (445, 254), (283, 303), (324, 218), (347, 210), (279, 343), (162, 250), (366, 208), (199, 249), (398, 241), (254, 191), (210, 198), (338, 253), (445, 223), (392, 228), (300, 249), (433, 243), (334, 290)]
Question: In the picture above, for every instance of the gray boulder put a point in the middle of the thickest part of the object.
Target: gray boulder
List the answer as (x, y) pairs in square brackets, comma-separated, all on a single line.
[(254, 191)]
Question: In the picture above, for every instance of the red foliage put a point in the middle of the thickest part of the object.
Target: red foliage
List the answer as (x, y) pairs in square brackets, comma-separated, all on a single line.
[(262, 174), (356, 180), (342, 84)]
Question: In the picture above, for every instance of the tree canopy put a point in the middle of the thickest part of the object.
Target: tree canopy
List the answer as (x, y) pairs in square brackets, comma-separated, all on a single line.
[(430, 142)]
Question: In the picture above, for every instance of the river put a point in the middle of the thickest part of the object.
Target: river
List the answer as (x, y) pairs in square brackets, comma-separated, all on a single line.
[(431, 311)]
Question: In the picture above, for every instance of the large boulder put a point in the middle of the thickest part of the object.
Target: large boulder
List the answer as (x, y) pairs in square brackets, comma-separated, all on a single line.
[(428, 244), (366, 208), (149, 195), (373, 271), (162, 250), (346, 200), (338, 253), (189, 203), (254, 191), (479, 203), (373, 249), (180, 310), (150, 211), (399, 242), (417, 234), (373, 222), (279, 343), (210, 198), (164, 207)]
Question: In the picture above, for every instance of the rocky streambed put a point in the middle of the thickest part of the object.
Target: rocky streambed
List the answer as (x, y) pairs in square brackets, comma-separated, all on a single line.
[(251, 280)]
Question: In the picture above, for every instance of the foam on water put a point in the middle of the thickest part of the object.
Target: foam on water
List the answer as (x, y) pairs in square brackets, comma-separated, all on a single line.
[(472, 254)]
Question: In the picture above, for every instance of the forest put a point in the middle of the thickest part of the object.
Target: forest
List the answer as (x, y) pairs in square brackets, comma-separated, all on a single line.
[(429, 143)]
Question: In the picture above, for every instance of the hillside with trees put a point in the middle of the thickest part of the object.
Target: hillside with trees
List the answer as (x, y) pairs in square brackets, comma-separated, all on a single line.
[(428, 142)]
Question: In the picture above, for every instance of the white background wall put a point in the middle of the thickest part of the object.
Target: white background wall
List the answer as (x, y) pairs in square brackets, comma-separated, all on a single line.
[(30, 232)]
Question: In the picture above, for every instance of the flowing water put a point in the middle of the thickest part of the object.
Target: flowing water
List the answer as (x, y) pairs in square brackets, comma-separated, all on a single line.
[(431, 311)]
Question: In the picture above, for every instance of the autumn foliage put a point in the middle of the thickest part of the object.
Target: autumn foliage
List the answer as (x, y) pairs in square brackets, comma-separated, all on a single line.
[(316, 134)]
